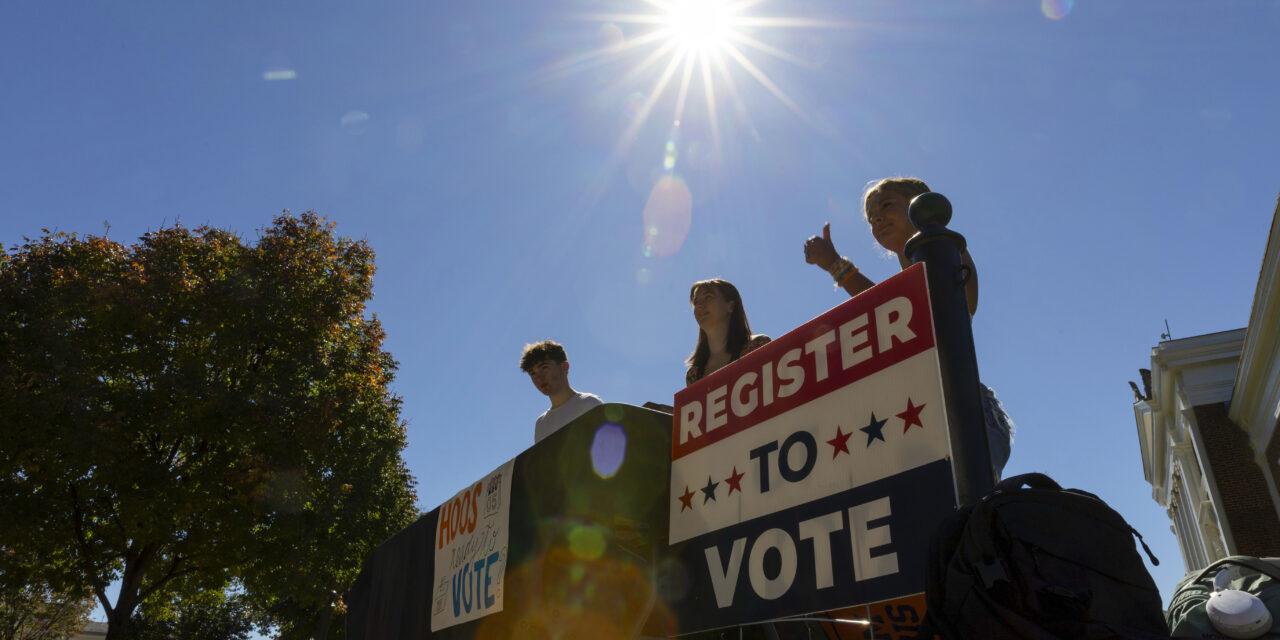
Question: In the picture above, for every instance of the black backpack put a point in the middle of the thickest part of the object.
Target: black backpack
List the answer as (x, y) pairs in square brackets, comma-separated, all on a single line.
[(1039, 563)]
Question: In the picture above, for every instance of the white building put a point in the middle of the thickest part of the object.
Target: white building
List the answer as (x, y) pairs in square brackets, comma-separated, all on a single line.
[(1207, 426)]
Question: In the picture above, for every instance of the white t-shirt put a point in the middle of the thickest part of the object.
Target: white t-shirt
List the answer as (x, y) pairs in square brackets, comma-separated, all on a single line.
[(551, 421)]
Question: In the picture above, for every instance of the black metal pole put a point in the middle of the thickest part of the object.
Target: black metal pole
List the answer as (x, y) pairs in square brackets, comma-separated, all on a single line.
[(939, 249)]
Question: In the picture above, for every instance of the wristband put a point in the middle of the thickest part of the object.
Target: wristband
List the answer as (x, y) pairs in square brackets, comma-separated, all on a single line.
[(842, 269), (847, 277)]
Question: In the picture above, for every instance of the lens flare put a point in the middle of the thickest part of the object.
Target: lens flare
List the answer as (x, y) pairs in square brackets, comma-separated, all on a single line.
[(633, 105), (611, 38), (586, 542), (278, 67), (608, 449), (667, 217), (692, 49), (1056, 9), (700, 25), (354, 121), (674, 579), (561, 595), (283, 491)]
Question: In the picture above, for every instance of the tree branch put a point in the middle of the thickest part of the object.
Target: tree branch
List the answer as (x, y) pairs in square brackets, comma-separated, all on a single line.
[(173, 452), (99, 589), (115, 517), (171, 574)]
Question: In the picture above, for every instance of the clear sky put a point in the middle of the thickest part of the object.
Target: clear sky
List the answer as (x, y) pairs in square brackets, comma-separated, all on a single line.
[(1112, 164)]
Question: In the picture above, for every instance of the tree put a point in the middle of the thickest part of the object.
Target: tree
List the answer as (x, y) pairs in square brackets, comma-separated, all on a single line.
[(309, 556), (334, 504), (31, 608), (175, 408), (210, 615)]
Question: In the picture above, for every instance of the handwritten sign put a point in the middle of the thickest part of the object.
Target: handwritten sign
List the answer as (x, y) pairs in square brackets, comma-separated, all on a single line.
[(471, 550), (808, 475)]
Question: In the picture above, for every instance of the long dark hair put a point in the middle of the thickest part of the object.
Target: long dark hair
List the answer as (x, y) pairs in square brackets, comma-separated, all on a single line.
[(739, 328)]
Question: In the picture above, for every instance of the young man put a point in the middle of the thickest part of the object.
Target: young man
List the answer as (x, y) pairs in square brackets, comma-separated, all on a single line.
[(548, 368)]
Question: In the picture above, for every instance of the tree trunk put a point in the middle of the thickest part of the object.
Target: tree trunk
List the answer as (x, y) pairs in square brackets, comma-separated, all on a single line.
[(322, 624), (119, 622)]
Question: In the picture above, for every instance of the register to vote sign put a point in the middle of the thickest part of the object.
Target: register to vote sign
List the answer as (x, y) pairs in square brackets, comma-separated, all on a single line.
[(808, 475)]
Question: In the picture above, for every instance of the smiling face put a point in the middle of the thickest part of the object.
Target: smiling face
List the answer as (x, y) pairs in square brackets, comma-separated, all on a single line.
[(711, 307), (887, 215)]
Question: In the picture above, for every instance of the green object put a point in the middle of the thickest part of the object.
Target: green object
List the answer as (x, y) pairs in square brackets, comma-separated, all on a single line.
[(193, 409), (1187, 617)]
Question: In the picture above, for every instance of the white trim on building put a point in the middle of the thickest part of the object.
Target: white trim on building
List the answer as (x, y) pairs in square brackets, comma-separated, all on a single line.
[(1255, 403), (1240, 368), (1186, 373)]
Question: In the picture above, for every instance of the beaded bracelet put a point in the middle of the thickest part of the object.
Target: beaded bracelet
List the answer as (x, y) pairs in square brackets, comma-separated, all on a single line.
[(847, 277), (842, 270)]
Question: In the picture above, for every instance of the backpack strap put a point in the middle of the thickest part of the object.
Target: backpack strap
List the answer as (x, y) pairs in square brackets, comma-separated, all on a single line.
[(1155, 562), (977, 529), (1032, 480)]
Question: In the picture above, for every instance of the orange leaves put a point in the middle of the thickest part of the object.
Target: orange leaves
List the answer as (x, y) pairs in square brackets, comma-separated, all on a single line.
[(202, 392)]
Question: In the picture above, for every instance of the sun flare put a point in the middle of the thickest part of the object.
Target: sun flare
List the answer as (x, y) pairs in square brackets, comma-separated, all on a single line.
[(700, 26), (698, 51)]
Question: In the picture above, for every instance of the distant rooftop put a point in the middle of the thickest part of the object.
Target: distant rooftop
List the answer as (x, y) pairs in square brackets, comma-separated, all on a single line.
[(92, 631)]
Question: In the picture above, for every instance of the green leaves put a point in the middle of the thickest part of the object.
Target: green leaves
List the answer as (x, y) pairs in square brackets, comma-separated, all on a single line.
[(190, 409), (208, 615)]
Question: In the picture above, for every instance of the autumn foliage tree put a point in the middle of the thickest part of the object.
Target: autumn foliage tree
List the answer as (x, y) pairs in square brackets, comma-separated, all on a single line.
[(33, 608), (193, 410)]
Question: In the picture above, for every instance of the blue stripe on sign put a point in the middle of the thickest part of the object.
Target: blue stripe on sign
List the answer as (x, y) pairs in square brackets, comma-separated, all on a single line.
[(856, 547)]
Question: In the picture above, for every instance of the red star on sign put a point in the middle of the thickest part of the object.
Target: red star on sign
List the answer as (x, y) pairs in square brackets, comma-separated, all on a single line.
[(839, 443), (734, 481), (686, 500), (911, 416)]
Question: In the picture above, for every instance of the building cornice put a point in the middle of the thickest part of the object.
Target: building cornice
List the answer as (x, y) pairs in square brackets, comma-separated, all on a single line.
[(1255, 399), (1184, 373), (1151, 449), (1201, 367)]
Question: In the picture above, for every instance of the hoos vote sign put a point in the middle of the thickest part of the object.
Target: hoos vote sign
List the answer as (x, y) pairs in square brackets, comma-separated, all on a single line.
[(808, 475), (471, 546)]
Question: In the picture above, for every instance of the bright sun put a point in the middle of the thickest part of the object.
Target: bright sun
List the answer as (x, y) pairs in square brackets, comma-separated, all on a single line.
[(700, 26), (687, 45)]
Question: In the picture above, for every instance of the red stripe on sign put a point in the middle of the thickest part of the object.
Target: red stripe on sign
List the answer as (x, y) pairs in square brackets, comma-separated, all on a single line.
[(880, 327)]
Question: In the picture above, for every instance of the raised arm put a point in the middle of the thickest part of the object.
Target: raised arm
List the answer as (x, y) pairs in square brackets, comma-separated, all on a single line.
[(821, 251)]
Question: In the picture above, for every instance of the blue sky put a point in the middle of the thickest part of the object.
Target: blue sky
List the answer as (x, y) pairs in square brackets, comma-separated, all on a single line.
[(1112, 165)]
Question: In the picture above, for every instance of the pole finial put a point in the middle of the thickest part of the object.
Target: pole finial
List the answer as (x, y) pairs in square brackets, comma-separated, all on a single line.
[(929, 209)]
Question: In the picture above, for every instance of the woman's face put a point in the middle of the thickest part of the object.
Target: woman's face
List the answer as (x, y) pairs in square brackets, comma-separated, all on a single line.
[(710, 307), (887, 215)]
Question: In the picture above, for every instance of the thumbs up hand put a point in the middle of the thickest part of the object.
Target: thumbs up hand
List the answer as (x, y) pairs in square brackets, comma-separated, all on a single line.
[(820, 250)]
